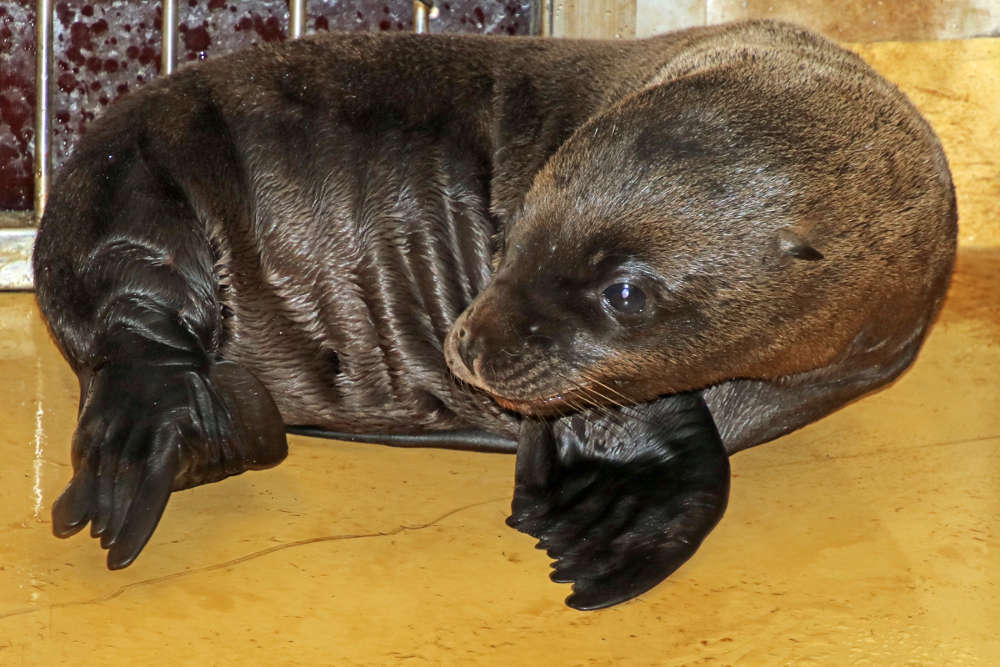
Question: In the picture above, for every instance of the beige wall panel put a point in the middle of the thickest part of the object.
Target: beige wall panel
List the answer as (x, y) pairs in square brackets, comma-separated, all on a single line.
[(600, 19), (956, 85), (869, 20), (653, 17)]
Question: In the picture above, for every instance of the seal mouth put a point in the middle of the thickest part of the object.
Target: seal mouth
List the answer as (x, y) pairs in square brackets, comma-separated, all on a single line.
[(545, 406)]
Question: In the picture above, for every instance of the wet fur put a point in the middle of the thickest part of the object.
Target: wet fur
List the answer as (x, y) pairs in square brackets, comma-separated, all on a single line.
[(287, 236)]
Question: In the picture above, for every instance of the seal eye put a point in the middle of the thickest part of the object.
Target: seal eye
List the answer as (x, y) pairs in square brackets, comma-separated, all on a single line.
[(625, 298)]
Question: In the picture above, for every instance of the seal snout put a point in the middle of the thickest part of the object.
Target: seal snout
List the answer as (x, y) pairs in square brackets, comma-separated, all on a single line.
[(485, 347), (489, 349)]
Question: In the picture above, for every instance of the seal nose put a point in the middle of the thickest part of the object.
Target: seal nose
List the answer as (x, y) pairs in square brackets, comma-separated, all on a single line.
[(470, 349)]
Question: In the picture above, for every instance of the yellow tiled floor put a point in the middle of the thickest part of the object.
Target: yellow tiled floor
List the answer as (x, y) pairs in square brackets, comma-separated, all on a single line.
[(868, 538)]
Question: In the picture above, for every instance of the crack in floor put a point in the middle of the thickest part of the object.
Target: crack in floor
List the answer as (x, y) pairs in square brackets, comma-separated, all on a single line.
[(875, 452), (245, 558)]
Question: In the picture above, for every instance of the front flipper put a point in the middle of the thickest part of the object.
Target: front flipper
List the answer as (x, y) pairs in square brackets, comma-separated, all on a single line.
[(620, 499), (147, 429)]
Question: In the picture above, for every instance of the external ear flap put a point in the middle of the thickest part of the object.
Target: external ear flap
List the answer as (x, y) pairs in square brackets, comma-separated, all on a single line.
[(806, 252), (794, 244)]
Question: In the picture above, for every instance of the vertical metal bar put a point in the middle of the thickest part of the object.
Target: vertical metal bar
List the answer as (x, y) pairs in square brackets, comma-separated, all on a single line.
[(296, 18), (547, 12), (421, 15), (43, 98), (168, 32)]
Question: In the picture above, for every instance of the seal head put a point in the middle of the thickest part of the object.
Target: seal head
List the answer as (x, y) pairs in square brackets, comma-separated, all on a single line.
[(694, 233)]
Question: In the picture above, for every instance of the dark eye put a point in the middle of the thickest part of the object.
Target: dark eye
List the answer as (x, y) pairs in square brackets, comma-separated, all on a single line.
[(625, 298)]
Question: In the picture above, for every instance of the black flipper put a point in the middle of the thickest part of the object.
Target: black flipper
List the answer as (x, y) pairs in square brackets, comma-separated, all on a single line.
[(621, 499), (126, 277), (147, 429)]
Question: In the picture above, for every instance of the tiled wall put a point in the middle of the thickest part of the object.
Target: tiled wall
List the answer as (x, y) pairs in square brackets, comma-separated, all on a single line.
[(844, 20), (104, 48)]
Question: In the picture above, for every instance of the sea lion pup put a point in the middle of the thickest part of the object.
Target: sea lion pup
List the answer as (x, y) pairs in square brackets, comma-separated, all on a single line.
[(659, 251)]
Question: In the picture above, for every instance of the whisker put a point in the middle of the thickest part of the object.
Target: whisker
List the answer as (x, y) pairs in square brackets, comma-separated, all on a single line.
[(584, 393), (590, 389), (626, 399), (625, 412)]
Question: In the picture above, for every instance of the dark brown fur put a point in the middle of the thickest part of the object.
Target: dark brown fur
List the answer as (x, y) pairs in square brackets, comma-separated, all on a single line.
[(289, 236)]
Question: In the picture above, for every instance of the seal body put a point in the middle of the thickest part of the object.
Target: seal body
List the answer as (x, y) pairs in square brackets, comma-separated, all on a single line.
[(663, 250)]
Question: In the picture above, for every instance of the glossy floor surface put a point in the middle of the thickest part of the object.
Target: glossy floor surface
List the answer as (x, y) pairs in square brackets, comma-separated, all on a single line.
[(867, 538)]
